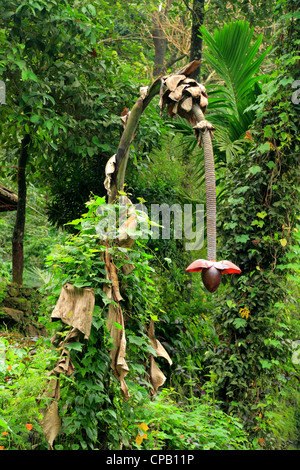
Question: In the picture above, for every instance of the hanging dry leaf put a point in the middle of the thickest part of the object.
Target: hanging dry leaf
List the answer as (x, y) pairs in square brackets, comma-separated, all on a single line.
[(176, 95), (203, 101), (201, 127), (110, 168), (175, 108), (52, 389), (191, 82), (173, 80), (115, 325), (115, 282), (64, 365), (127, 267), (157, 378), (164, 100), (187, 104), (75, 307), (112, 289), (51, 423), (170, 111), (195, 91), (128, 228)]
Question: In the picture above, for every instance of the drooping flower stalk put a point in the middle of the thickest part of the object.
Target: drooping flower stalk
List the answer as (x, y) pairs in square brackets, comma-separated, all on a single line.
[(210, 183), (211, 270), (186, 97)]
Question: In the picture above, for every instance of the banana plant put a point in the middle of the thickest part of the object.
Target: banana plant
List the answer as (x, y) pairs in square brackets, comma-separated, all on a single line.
[(182, 96)]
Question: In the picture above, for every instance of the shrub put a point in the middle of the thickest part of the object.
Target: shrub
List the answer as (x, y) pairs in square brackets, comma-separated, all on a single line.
[(23, 375), (191, 426)]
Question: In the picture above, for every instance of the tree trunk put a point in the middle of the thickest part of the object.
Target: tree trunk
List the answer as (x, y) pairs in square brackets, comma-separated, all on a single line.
[(160, 45), (196, 39), (18, 233)]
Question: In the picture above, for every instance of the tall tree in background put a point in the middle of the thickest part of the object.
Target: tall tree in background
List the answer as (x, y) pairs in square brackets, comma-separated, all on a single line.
[(167, 34), (46, 66), (159, 41), (18, 233), (196, 37)]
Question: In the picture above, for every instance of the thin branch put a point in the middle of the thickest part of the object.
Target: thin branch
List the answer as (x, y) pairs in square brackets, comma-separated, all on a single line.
[(173, 60), (188, 7)]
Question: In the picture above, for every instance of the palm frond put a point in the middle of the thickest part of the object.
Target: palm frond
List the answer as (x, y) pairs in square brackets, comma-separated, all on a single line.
[(232, 53), (232, 56)]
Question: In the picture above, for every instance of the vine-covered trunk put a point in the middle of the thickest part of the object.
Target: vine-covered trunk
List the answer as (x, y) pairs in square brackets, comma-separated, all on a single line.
[(18, 233)]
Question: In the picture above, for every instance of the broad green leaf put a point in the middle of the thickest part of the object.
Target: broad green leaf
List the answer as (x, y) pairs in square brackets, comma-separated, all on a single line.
[(35, 118), (239, 323), (264, 147), (255, 169), (262, 214), (242, 238), (76, 346)]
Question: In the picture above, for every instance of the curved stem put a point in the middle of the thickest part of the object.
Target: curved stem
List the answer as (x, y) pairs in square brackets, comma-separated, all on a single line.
[(122, 154), (210, 185)]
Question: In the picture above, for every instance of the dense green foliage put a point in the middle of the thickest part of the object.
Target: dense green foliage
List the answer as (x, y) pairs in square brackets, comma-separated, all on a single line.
[(70, 69), (259, 230)]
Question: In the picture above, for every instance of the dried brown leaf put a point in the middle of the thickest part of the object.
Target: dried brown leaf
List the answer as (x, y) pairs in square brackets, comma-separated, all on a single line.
[(187, 104), (115, 282), (127, 228), (170, 109), (118, 352), (157, 378), (195, 91), (203, 101), (75, 307), (190, 68), (51, 423), (175, 109), (176, 95), (52, 389), (190, 81), (173, 80), (64, 364)]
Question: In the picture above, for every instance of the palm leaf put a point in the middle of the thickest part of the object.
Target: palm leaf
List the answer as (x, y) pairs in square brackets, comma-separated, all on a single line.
[(231, 54)]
